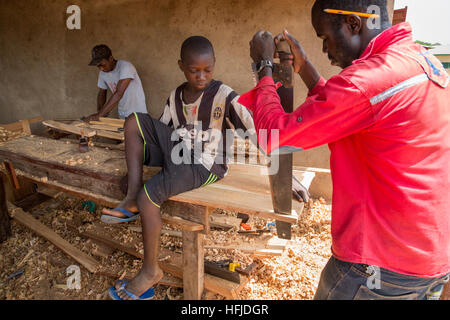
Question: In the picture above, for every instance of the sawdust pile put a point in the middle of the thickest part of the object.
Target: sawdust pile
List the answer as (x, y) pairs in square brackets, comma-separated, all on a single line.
[(33, 268), (6, 135)]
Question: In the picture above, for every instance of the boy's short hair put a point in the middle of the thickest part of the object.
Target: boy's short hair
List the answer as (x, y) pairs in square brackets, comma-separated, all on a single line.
[(196, 45)]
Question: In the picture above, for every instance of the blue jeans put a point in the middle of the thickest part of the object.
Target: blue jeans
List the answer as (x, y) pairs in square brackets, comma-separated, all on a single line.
[(342, 280)]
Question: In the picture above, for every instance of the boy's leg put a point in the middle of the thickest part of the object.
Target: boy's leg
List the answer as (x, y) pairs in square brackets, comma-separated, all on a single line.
[(170, 181), (134, 153), (150, 273)]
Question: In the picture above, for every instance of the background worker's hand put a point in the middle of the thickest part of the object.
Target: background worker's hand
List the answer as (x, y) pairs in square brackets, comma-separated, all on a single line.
[(92, 117), (299, 191), (262, 46), (298, 57)]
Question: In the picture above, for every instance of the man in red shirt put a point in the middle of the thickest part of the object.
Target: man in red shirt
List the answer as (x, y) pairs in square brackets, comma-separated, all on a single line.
[(386, 119)]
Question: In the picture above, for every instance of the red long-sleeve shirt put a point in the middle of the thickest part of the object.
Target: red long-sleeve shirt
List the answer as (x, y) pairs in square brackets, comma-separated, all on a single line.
[(386, 119)]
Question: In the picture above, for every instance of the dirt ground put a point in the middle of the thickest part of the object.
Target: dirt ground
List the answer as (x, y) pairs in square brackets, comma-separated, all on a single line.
[(34, 269)]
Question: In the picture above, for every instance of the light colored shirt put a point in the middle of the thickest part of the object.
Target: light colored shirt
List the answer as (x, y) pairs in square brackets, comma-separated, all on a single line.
[(133, 99)]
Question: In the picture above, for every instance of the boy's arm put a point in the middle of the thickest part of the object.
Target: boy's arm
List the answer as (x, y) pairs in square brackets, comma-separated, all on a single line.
[(101, 98), (244, 121), (166, 117), (122, 86)]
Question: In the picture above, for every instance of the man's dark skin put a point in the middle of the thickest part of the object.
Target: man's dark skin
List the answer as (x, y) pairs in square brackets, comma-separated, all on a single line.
[(103, 107), (342, 46)]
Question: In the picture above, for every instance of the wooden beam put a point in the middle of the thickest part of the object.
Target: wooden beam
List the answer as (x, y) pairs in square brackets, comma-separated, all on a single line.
[(5, 226), (84, 132), (28, 221), (193, 265), (103, 127), (112, 121), (19, 126), (97, 236), (185, 225), (25, 126), (111, 135)]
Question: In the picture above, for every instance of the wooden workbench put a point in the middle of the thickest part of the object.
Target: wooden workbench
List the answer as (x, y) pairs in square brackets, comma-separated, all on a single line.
[(96, 176)]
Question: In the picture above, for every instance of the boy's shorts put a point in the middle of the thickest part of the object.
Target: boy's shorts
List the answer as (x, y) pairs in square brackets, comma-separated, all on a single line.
[(173, 178)]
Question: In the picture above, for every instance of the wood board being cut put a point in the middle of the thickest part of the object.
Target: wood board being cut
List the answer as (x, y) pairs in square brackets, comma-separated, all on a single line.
[(106, 127)]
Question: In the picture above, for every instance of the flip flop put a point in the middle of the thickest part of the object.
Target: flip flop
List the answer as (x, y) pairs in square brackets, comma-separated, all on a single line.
[(106, 218), (147, 295)]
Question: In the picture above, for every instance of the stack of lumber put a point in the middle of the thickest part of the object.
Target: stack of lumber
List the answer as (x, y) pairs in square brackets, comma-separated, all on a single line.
[(17, 129), (106, 127)]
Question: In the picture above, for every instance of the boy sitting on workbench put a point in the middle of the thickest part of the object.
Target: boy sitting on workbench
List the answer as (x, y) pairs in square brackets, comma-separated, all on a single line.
[(187, 142)]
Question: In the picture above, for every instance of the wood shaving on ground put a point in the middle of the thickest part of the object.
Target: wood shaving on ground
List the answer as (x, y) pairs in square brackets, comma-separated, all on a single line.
[(33, 268)]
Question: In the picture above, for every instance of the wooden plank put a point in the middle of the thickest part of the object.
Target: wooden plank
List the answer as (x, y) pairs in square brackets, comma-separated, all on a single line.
[(78, 192), (214, 284), (111, 135), (103, 127), (84, 132), (19, 126), (185, 225), (112, 121), (106, 240), (25, 126), (12, 172), (188, 211), (28, 221), (193, 265), (222, 221), (106, 124), (5, 226)]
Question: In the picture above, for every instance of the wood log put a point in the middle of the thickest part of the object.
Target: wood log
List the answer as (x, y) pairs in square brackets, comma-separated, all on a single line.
[(5, 226)]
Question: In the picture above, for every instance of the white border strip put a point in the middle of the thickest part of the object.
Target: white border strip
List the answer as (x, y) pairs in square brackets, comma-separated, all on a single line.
[(398, 88)]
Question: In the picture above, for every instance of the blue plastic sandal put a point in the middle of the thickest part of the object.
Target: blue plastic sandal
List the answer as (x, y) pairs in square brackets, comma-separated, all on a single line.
[(147, 295), (106, 218)]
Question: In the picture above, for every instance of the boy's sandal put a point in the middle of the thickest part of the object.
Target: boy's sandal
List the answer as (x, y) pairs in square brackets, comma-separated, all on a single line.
[(147, 295), (106, 218)]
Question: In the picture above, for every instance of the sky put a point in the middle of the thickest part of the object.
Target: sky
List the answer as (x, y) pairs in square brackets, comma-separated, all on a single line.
[(430, 19)]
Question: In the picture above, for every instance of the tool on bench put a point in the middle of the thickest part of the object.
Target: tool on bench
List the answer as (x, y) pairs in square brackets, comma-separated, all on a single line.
[(245, 226), (84, 145), (256, 232), (228, 270), (232, 266), (220, 269)]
